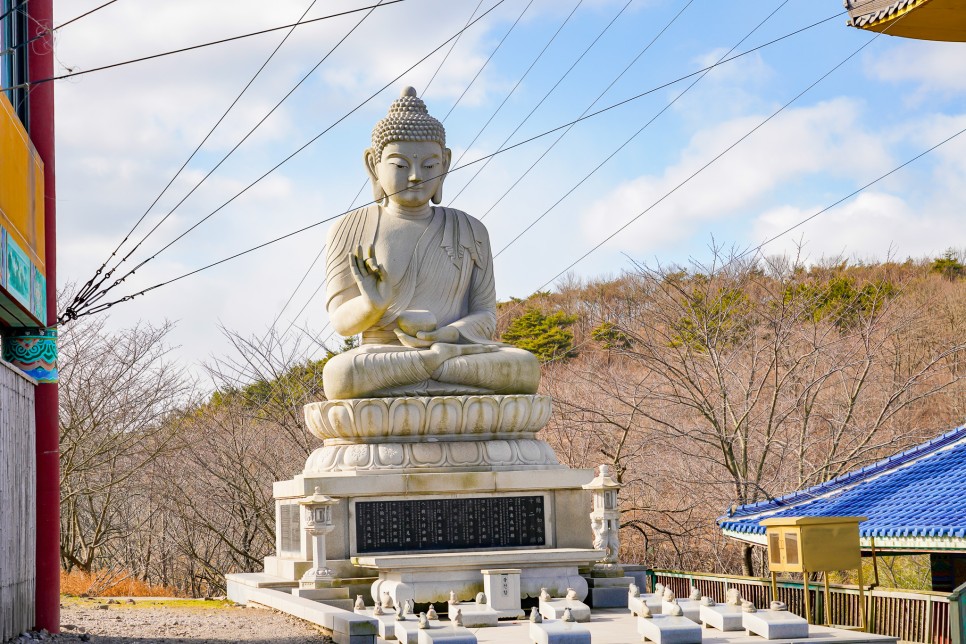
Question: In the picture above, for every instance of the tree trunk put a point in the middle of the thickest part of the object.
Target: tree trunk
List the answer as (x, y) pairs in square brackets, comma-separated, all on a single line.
[(746, 562)]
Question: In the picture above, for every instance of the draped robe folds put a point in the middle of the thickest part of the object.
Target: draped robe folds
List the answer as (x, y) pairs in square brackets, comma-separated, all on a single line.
[(450, 274)]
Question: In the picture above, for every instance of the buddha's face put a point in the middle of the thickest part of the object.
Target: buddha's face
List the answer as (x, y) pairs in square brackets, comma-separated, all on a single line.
[(410, 172)]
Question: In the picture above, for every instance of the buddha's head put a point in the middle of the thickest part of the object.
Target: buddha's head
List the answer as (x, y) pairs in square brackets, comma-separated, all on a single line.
[(408, 159)]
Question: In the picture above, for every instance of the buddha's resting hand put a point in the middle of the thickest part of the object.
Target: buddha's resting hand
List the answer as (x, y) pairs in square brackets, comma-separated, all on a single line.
[(424, 339), (372, 279)]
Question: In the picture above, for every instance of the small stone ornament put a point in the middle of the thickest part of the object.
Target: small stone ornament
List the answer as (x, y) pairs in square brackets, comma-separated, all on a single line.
[(748, 607), (423, 621), (733, 597), (633, 590), (544, 595), (571, 593), (480, 598), (360, 603), (535, 616), (400, 616), (377, 610), (707, 601), (659, 589), (645, 612), (568, 616), (695, 594), (676, 610), (668, 595), (452, 597), (386, 600), (778, 606), (408, 607), (458, 617), (431, 613)]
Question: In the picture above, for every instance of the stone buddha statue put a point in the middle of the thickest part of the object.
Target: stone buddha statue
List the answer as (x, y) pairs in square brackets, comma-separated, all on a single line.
[(416, 280)]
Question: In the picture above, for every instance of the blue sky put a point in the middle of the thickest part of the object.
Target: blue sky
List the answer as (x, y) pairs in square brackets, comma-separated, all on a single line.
[(123, 133)]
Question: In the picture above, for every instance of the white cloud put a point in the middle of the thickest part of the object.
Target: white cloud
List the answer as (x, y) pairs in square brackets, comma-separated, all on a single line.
[(824, 138), (930, 66)]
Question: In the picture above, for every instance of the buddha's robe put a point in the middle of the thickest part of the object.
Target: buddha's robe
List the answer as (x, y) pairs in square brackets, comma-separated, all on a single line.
[(449, 273)]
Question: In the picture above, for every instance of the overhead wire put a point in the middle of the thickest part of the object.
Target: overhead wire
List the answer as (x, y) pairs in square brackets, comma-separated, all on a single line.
[(90, 286), (636, 134), (726, 151), (199, 46), (72, 312), (560, 80), (475, 161)]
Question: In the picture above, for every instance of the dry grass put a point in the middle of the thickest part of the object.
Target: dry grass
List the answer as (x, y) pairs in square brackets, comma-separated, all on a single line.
[(110, 583)]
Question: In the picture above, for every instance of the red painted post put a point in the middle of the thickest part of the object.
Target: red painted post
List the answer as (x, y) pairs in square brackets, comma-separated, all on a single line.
[(41, 65)]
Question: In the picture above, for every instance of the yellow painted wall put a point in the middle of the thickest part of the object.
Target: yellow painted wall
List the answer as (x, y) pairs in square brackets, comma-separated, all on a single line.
[(21, 186)]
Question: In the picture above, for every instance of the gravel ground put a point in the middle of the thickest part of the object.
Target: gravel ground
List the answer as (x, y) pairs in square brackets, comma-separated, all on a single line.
[(168, 622)]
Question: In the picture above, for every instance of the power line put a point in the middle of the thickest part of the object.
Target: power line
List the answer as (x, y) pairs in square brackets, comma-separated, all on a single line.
[(206, 44), (13, 9), (481, 159), (90, 287), (72, 312), (85, 14), (450, 50), (552, 89), (718, 156), (637, 133)]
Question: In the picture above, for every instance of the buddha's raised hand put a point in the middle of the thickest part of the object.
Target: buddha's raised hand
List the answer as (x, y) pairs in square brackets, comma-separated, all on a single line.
[(371, 276)]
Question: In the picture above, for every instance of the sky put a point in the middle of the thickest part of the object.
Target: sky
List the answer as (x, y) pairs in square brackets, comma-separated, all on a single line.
[(775, 136)]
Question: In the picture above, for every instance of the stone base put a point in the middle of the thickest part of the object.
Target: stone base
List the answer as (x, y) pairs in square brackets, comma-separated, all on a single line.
[(386, 622), (724, 617), (337, 597), (474, 615), (557, 632), (608, 592), (689, 607), (445, 633), (429, 578), (775, 624), (665, 629), (554, 609), (654, 603)]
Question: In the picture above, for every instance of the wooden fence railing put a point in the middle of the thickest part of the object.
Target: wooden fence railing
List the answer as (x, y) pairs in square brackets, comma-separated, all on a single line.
[(911, 616)]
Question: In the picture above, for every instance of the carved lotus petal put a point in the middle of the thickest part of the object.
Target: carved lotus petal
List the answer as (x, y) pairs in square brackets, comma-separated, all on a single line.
[(426, 454), (464, 452), (530, 451), (499, 451), (445, 415), (407, 416), (356, 456), (390, 454), (372, 418), (481, 414), (339, 419)]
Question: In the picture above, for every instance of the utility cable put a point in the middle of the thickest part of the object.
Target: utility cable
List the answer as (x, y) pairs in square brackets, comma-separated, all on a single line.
[(72, 312), (14, 9), (479, 160), (549, 92), (519, 81), (721, 154), (90, 286), (449, 51), (85, 14), (206, 44), (637, 133)]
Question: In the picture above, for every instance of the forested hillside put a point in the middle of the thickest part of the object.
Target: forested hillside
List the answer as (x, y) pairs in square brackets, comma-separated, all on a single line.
[(704, 387)]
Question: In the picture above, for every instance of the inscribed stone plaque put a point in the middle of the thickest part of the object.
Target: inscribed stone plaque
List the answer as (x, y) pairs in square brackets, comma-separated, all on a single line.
[(449, 524), (289, 527)]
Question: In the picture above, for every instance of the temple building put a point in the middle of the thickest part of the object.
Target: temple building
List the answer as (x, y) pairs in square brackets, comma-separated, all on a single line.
[(915, 502), (919, 19)]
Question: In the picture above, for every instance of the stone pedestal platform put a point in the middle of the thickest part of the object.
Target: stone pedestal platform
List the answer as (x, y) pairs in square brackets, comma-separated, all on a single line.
[(608, 592), (433, 490)]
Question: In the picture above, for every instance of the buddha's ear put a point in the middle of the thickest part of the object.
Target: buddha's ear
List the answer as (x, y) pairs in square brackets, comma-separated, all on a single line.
[(447, 159), (370, 160)]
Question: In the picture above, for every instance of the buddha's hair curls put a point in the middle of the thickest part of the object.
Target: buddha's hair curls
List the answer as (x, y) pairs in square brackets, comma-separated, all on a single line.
[(408, 120)]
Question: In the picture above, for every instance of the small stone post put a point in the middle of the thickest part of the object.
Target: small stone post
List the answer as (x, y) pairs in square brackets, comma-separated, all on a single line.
[(318, 523), (502, 589), (605, 521)]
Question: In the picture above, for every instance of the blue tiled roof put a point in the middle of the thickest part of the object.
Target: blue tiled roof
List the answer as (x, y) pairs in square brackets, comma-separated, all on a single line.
[(917, 493)]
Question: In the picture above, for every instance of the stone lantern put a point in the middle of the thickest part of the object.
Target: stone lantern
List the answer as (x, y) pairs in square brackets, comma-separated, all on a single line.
[(318, 523), (605, 522)]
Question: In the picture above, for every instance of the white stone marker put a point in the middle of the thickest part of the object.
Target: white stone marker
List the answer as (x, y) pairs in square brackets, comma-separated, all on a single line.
[(385, 620), (654, 604), (407, 630), (724, 617), (558, 632), (775, 623), (447, 633), (502, 589), (554, 608), (669, 629)]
